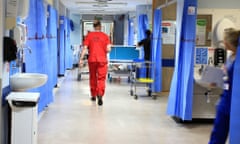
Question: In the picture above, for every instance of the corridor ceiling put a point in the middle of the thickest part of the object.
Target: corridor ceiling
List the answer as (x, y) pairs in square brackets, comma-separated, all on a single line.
[(104, 7)]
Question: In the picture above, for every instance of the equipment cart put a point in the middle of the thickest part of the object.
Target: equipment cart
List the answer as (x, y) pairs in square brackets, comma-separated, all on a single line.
[(81, 71), (142, 75), (84, 69)]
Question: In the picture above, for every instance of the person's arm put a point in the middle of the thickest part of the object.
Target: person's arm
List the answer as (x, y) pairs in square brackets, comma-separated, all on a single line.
[(139, 44), (83, 52), (109, 47)]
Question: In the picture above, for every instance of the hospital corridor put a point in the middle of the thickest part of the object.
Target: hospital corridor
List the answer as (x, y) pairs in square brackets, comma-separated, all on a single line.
[(119, 71), (74, 119)]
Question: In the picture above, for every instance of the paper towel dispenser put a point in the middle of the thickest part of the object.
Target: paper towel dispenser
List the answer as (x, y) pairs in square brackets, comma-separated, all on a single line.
[(219, 28), (20, 34)]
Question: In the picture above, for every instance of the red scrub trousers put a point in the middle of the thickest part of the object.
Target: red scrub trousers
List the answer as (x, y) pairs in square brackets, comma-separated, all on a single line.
[(98, 72)]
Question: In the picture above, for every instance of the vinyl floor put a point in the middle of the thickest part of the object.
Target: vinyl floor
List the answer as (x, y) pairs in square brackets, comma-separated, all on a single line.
[(73, 119)]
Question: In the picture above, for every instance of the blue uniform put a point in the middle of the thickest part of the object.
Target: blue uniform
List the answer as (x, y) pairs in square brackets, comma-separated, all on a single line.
[(222, 121)]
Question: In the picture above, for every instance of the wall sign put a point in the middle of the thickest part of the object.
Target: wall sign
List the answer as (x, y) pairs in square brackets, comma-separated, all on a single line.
[(201, 55), (204, 30), (168, 32)]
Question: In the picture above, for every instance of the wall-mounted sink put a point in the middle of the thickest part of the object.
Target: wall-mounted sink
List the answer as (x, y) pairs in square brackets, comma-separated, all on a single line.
[(211, 77), (25, 81)]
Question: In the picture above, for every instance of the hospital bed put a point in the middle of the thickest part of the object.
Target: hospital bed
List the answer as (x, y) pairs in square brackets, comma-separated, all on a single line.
[(120, 61)]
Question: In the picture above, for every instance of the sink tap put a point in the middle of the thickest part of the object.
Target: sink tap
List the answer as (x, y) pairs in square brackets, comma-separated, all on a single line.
[(207, 95), (28, 48), (21, 51), (25, 47), (20, 55)]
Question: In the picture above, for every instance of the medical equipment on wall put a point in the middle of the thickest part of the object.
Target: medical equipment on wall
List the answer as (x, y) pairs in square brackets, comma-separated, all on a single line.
[(219, 56), (207, 92), (218, 32), (219, 28), (20, 30), (20, 36)]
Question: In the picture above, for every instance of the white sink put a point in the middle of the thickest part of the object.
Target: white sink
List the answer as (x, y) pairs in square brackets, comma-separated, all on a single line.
[(212, 77), (25, 81)]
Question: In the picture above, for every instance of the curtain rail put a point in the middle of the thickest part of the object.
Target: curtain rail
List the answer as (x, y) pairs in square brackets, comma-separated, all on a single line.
[(166, 4)]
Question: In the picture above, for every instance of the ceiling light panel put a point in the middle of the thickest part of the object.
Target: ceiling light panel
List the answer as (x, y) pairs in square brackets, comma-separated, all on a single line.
[(121, 6), (102, 2)]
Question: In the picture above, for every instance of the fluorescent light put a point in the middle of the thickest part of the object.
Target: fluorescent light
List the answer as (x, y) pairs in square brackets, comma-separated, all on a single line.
[(109, 3), (100, 5)]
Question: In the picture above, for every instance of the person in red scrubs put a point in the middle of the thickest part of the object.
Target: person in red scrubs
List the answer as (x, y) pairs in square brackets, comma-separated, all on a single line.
[(98, 45)]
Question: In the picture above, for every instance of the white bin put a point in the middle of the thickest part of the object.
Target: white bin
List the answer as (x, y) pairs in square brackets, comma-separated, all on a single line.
[(24, 119)]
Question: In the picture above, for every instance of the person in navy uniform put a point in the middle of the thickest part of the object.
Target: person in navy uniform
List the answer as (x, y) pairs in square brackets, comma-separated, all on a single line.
[(147, 45), (220, 129)]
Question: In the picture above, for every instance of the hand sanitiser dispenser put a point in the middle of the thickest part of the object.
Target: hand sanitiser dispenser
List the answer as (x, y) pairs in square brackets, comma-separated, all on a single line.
[(20, 34)]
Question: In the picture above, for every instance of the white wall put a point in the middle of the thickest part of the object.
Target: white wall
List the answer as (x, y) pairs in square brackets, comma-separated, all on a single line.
[(1, 58), (219, 4), (143, 9), (76, 35), (1, 35), (49, 1), (62, 9), (218, 14), (125, 37)]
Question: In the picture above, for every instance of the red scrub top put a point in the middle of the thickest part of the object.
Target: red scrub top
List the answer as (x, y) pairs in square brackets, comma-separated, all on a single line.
[(97, 46)]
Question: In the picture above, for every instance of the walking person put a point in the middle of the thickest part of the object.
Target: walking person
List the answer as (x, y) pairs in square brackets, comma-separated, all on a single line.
[(98, 45), (222, 121)]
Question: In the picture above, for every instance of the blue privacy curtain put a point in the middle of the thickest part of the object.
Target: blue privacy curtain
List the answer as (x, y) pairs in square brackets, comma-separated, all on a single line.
[(37, 60), (52, 23), (68, 50), (157, 50), (143, 25), (130, 32), (181, 91), (31, 20), (235, 110), (61, 50), (31, 23)]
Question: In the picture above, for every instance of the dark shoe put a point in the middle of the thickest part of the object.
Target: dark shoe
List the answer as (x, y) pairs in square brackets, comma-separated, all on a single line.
[(100, 101), (93, 98)]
